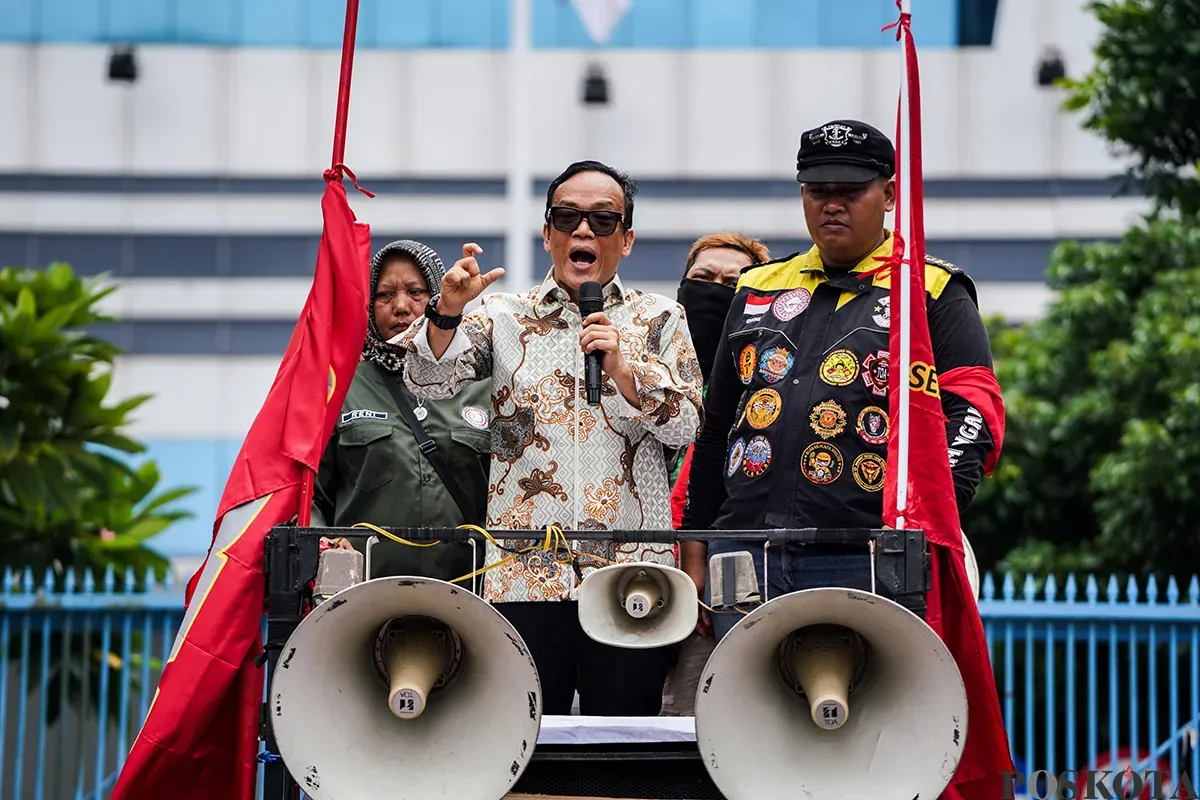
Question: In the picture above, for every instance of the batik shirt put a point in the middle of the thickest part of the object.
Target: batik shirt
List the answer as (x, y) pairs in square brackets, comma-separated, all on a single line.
[(555, 459)]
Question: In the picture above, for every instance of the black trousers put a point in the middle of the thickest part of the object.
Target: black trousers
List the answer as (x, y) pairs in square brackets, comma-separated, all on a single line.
[(611, 681)]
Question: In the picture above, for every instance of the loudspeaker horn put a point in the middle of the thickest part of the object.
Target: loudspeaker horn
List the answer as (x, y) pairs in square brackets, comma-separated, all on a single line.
[(406, 688), (972, 566), (638, 605), (833, 694)]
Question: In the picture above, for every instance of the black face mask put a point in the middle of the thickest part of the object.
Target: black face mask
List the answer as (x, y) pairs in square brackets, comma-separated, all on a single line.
[(707, 304)]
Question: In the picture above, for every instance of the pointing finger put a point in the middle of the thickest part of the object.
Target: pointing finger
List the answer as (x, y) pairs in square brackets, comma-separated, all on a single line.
[(492, 277)]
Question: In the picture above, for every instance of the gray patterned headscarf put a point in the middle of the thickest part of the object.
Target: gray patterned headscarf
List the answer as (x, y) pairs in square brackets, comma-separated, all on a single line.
[(375, 347)]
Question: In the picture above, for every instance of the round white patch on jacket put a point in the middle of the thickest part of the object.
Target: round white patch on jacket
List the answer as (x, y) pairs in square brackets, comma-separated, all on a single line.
[(475, 417)]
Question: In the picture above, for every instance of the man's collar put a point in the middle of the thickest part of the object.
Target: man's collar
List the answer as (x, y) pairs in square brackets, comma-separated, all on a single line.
[(550, 291), (812, 259)]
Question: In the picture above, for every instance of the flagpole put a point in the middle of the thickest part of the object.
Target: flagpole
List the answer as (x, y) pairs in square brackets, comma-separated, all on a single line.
[(904, 225), (518, 249), (337, 163)]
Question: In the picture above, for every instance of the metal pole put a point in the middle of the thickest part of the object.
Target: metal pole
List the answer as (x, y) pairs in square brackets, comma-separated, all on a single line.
[(518, 240), (904, 320)]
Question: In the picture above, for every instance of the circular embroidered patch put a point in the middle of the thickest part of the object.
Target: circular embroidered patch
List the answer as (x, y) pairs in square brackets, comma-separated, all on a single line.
[(774, 364), (869, 470), (839, 368), (875, 372), (821, 463), (873, 425), (758, 456), (475, 417), (746, 363), (828, 419), (790, 305), (763, 408), (735, 457)]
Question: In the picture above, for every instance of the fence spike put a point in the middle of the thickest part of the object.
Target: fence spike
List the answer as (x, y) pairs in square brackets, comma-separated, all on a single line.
[(1070, 590), (1092, 590), (1029, 588), (89, 581), (1194, 591), (1051, 588), (27, 581), (1172, 591), (1151, 589), (989, 587), (1010, 587), (1131, 590), (48, 581), (69, 581), (130, 583), (8, 581), (1113, 590), (168, 580), (108, 578), (150, 580)]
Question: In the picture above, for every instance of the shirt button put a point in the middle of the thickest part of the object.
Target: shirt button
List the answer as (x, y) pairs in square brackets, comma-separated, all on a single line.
[(426, 479), (795, 381)]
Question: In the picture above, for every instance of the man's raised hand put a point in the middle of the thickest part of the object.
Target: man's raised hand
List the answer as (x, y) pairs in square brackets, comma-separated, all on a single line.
[(463, 282)]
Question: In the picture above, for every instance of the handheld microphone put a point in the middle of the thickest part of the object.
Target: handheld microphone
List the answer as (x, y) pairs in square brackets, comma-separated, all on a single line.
[(591, 301)]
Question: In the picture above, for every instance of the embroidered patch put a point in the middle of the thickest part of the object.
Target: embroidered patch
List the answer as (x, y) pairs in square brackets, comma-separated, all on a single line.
[(757, 457), (735, 457), (746, 364), (790, 305), (828, 419), (774, 364), (363, 413), (821, 463), (873, 425), (475, 417), (883, 313), (875, 372), (763, 408), (839, 368), (868, 470), (756, 305)]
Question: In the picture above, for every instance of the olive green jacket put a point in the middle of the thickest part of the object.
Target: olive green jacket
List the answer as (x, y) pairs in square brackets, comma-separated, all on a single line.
[(373, 471)]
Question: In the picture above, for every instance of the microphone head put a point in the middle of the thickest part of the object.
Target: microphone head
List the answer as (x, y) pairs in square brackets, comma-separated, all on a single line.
[(591, 298)]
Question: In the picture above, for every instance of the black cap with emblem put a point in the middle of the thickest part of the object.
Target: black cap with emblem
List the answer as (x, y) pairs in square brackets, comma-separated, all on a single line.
[(844, 151)]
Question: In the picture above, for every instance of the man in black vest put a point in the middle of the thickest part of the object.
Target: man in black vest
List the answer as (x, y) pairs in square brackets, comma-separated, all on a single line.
[(796, 415)]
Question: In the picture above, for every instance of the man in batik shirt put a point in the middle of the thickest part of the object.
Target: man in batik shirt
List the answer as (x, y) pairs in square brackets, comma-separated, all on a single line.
[(555, 459)]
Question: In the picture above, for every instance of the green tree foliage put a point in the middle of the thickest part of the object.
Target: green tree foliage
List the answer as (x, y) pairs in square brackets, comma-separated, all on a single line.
[(67, 496), (1102, 454)]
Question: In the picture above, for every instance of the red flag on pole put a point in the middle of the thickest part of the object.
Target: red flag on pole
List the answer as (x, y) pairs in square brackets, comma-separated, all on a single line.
[(200, 738), (919, 488)]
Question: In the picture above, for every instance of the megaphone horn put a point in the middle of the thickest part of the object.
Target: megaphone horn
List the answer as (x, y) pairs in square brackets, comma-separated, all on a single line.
[(831, 693), (638, 605), (388, 687)]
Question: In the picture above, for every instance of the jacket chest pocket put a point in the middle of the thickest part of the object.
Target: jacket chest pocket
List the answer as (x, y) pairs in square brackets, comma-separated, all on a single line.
[(368, 454), (477, 440)]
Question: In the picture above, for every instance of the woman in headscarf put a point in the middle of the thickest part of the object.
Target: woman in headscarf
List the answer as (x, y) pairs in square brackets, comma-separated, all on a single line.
[(374, 469)]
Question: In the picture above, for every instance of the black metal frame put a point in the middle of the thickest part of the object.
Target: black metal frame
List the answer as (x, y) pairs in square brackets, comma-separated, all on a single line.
[(292, 554)]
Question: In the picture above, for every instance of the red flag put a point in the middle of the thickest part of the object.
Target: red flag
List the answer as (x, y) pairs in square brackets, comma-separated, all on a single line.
[(200, 737), (919, 488)]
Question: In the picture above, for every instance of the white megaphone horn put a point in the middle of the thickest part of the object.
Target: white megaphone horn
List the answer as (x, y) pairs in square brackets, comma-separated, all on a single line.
[(831, 693), (638, 605), (405, 688)]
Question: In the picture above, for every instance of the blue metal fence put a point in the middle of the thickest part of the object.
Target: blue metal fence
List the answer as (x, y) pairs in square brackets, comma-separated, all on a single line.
[(1087, 678)]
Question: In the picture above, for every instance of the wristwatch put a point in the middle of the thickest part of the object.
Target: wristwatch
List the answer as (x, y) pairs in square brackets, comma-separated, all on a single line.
[(440, 320)]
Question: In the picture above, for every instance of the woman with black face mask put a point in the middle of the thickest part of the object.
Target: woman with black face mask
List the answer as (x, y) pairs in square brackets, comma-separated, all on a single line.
[(706, 292)]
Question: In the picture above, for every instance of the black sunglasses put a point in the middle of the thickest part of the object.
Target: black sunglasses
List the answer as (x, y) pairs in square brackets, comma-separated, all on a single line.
[(567, 219)]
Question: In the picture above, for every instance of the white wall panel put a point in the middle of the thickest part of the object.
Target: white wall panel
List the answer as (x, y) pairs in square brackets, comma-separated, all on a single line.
[(439, 113)]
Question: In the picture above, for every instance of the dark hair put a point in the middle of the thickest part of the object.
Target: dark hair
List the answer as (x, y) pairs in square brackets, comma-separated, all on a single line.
[(629, 186)]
